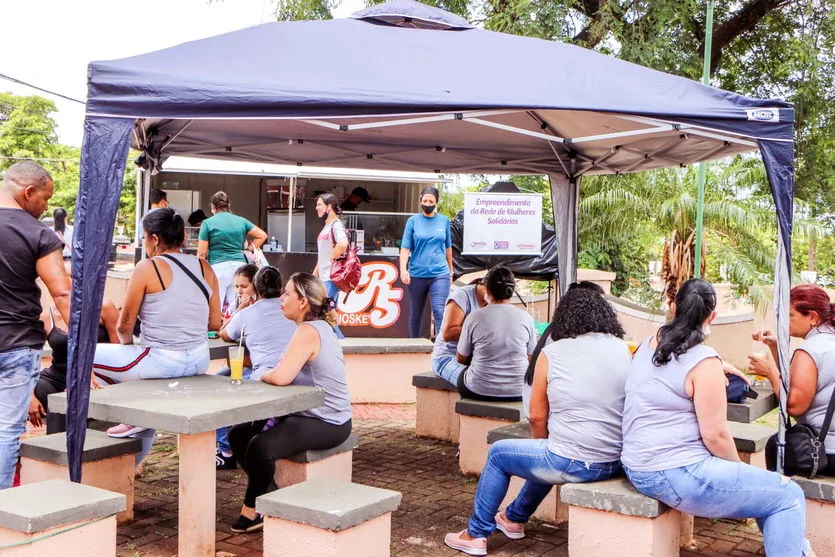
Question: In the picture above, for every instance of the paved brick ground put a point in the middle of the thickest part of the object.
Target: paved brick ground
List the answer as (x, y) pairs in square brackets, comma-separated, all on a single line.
[(436, 499)]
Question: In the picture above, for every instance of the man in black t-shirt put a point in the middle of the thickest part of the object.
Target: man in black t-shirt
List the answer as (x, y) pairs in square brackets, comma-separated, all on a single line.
[(28, 250)]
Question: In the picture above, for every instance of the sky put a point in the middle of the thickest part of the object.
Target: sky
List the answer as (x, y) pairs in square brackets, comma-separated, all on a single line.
[(49, 43)]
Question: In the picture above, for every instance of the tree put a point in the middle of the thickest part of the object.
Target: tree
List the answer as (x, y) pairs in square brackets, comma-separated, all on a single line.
[(27, 131), (614, 213)]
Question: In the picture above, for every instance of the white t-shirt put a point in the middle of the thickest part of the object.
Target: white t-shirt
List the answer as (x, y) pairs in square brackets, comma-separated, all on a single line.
[(66, 237), (324, 246)]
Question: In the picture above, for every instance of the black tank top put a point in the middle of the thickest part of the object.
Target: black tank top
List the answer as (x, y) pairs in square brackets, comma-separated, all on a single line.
[(57, 340)]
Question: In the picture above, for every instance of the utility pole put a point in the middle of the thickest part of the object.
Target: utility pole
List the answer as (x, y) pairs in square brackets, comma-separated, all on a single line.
[(702, 175)]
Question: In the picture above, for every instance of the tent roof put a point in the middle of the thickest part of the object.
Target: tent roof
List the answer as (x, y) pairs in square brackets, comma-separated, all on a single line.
[(328, 93)]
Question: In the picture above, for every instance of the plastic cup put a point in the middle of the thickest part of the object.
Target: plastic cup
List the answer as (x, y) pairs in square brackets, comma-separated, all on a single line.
[(236, 364), (633, 346), (759, 378)]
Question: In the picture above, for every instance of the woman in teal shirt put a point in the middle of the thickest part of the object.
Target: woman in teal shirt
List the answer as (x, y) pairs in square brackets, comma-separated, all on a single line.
[(426, 261), (221, 242)]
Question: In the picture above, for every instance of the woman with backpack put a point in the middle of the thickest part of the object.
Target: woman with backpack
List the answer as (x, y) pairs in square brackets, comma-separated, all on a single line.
[(331, 244)]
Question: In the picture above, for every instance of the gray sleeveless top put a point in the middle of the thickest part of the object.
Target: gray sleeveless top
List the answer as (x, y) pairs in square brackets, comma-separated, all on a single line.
[(327, 371), (820, 345), (660, 429), (176, 318)]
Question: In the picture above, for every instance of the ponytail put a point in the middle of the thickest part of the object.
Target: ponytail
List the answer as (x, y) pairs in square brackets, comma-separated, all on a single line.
[(328, 311), (695, 302)]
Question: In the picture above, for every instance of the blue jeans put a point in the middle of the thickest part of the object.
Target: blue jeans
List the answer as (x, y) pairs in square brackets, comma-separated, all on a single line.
[(19, 370), (333, 292), (541, 469), (222, 433), (448, 369), (437, 288), (718, 488)]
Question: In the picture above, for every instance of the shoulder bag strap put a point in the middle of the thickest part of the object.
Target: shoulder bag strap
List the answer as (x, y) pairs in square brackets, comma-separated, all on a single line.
[(190, 275), (830, 410)]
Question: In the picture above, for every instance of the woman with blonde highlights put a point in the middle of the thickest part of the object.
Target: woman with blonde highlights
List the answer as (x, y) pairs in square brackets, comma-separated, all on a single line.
[(313, 358)]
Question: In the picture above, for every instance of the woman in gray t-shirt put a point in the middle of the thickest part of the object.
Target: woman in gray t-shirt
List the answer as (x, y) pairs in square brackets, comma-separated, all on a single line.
[(676, 444), (812, 372), (313, 358), (575, 417), (496, 342)]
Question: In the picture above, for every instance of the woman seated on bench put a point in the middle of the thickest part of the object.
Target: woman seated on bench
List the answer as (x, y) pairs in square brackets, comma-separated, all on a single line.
[(812, 372), (676, 444), (575, 420), (53, 379), (496, 343), (461, 303), (175, 296), (313, 358), (266, 332)]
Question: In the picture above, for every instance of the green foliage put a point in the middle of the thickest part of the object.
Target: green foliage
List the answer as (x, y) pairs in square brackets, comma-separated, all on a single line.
[(27, 131), (296, 10)]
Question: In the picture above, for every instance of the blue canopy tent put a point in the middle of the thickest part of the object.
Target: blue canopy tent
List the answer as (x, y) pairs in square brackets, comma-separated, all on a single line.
[(402, 86)]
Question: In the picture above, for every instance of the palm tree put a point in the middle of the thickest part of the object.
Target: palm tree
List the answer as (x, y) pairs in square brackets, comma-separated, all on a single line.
[(738, 224)]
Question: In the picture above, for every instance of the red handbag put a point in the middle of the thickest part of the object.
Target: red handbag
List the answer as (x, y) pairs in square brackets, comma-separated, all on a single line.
[(347, 270)]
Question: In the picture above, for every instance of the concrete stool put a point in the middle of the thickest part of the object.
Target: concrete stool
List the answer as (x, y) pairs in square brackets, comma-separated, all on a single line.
[(477, 420), (334, 463), (436, 398), (551, 510), (58, 518), (324, 517), (612, 518), (820, 513), (107, 463)]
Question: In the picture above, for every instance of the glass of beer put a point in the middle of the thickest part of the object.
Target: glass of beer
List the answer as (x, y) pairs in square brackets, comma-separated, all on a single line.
[(236, 364), (759, 378)]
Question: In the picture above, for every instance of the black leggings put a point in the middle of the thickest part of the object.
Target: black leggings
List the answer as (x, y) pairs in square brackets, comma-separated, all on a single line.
[(465, 392), (51, 383), (257, 451)]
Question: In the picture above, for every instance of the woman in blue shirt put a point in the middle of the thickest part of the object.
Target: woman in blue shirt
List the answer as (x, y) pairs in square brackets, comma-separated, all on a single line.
[(426, 261)]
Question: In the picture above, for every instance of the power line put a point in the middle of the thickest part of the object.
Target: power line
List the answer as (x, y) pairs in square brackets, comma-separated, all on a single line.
[(21, 82), (37, 159)]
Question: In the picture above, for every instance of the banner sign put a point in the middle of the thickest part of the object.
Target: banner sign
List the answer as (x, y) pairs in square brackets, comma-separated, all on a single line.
[(502, 224), (378, 307)]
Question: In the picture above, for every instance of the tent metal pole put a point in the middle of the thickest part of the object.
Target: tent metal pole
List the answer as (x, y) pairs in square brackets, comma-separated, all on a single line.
[(137, 238), (700, 203), (290, 205), (146, 195)]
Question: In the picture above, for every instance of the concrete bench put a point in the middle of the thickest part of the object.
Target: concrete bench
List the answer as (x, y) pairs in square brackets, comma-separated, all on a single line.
[(436, 398), (550, 510), (612, 518), (750, 440), (379, 370), (753, 408), (820, 513), (334, 463), (58, 517), (327, 518), (106, 463), (477, 419)]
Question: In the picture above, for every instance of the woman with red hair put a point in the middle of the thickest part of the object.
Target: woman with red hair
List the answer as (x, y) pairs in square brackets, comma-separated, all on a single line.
[(812, 372)]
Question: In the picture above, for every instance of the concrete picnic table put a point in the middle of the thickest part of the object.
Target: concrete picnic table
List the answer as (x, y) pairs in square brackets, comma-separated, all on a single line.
[(194, 407)]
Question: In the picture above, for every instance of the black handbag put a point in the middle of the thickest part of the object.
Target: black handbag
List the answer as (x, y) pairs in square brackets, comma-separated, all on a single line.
[(805, 447)]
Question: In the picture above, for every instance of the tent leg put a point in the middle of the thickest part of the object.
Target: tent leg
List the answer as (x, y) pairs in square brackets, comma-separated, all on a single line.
[(565, 198)]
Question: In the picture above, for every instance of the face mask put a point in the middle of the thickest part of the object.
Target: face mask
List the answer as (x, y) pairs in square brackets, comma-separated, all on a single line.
[(427, 209), (324, 217)]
